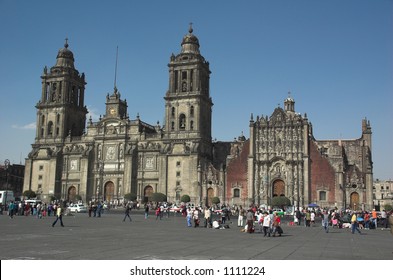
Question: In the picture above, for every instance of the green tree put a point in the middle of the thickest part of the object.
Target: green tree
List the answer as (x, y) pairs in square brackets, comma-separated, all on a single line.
[(185, 198), (130, 196), (29, 194), (78, 197), (388, 207), (215, 200), (281, 201), (158, 197)]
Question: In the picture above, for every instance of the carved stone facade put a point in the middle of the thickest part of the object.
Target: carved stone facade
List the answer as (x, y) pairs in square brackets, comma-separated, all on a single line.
[(286, 160), (117, 155)]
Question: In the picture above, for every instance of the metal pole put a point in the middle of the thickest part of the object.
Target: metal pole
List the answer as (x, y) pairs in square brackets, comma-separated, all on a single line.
[(6, 166)]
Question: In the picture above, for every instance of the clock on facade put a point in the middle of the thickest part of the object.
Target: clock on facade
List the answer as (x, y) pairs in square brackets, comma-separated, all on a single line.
[(112, 111)]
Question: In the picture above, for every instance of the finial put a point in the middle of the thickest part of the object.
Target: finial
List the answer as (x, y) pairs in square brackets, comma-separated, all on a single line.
[(190, 29), (66, 43)]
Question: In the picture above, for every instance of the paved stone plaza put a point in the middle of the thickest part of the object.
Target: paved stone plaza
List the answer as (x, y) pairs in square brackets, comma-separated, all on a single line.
[(109, 238)]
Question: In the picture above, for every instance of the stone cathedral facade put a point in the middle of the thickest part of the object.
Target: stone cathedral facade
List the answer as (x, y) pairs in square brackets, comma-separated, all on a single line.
[(116, 155)]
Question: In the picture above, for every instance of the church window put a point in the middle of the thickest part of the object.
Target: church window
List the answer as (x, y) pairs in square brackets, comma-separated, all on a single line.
[(381, 187), (42, 120), (173, 111), (172, 125), (236, 193), (41, 167), (176, 80), (47, 90), (191, 110), (50, 128), (177, 183), (178, 174), (178, 163), (53, 93), (182, 122), (58, 118), (42, 132), (39, 177), (57, 131), (191, 125), (184, 75), (191, 77), (322, 195), (59, 92)]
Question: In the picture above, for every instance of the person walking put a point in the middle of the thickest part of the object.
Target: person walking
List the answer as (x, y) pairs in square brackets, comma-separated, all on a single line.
[(325, 221), (11, 208), (266, 224), (146, 211), (374, 218), (59, 215), (250, 221), (127, 213), (354, 223), (207, 216), (241, 217)]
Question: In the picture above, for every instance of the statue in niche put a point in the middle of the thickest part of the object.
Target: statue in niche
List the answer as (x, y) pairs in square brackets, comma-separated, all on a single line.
[(121, 153), (99, 151)]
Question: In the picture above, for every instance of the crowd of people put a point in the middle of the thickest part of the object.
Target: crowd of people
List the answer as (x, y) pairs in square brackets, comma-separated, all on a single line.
[(254, 219)]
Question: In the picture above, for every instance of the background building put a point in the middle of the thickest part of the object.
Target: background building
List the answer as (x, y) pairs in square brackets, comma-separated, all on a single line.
[(11, 178), (382, 194), (117, 155)]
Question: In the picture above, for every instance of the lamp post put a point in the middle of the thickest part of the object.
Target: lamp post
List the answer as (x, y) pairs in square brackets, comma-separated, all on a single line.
[(6, 166)]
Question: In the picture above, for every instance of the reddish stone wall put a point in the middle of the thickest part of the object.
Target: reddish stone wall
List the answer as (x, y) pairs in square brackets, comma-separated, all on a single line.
[(322, 174), (237, 171)]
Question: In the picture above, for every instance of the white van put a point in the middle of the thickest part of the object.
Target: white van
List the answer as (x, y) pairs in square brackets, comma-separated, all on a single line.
[(6, 197), (33, 202)]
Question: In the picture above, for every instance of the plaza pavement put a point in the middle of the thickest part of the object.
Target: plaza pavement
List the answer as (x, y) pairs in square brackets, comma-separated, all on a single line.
[(109, 238)]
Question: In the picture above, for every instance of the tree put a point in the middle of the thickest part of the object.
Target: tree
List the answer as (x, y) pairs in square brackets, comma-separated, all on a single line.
[(185, 198), (215, 200), (130, 196), (29, 194), (158, 197), (388, 207), (78, 197), (281, 201)]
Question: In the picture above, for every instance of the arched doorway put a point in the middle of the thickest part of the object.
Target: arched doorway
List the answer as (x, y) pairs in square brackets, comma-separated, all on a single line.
[(71, 194), (278, 188), (109, 191), (147, 193), (210, 195), (354, 201)]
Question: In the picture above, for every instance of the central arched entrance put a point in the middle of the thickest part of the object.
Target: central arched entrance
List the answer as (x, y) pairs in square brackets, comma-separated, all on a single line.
[(210, 195), (71, 194), (147, 193), (278, 188), (354, 201), (109, 191)]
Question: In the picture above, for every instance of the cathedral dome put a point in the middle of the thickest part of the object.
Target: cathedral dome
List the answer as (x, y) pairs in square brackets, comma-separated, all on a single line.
[(65, 57), (190, 43)]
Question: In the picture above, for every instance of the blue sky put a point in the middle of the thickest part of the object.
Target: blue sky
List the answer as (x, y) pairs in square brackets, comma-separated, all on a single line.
[(335, 57)]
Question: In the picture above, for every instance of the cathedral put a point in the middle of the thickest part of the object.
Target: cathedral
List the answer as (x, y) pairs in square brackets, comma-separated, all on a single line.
[(73, 157)]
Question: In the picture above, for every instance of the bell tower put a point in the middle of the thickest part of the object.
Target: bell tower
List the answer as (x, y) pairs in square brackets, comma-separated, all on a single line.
[(61, 110), (188, 106)]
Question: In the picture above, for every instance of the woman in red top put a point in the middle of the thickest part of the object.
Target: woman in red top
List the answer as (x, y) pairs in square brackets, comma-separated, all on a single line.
[(276, 225)]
